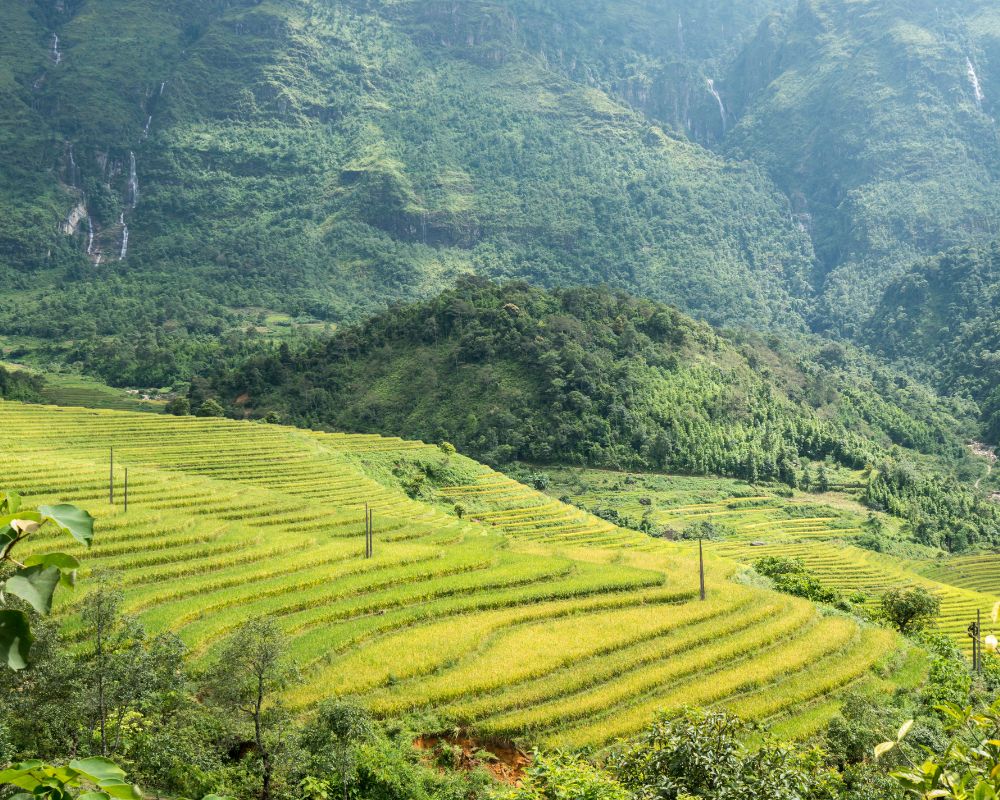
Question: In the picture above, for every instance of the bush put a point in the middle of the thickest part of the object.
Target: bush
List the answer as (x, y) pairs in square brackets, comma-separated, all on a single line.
[(179, 407), (701, 754), (565, 777), (790, 576), (210, 408)]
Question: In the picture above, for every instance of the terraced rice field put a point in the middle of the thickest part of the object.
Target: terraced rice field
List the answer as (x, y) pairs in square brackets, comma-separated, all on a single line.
[(817, 529), (78, 390), (525, 618)]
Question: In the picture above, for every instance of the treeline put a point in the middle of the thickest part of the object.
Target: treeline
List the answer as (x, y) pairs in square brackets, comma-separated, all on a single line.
[(592, 376)]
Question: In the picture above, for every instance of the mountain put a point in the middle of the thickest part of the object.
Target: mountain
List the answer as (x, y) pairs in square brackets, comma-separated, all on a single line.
[(599, 378), (877, 120), (326, 158), (942, 320), (175, 173)]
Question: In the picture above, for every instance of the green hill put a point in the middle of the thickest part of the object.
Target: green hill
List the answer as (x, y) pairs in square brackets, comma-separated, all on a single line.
[(589, 376)]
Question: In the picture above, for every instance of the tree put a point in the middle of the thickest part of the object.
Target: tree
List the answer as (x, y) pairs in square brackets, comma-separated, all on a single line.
[(247, 678), (34, 582), (333, 736), (210, 408), (179, 407), (909, 610), (448, 449), (125, 672), (822, 479)]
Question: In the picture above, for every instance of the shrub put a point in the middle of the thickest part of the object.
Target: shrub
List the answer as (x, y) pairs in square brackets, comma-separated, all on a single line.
[(179, 407), (210, 408), (790, 576)]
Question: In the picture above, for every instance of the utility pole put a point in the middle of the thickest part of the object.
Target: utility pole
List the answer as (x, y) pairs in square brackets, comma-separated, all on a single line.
[(111, 479), (975, 630), (126, 490), (979, 642), (369, 533)]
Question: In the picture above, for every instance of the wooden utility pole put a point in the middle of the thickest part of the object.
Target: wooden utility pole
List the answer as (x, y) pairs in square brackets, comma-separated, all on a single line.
[(111, 479), (701, 569), (369, 533)]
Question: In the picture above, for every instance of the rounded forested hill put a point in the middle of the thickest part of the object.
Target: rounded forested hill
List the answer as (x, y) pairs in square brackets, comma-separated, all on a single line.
[(592, 376)]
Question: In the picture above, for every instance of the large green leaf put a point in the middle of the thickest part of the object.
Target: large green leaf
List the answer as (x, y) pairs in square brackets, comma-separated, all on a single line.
[(15, 639), (98, 769), (75, 521), (120, 790), (35, 585), (19, 773), (60, 560), (9, 502), (66, 564)]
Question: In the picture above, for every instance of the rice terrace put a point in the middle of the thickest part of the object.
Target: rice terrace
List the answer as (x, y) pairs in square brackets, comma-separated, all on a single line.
[(525, 617)]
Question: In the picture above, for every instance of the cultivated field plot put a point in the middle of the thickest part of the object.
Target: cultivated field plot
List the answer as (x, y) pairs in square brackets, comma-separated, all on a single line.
[(526, 617), (819, 529)]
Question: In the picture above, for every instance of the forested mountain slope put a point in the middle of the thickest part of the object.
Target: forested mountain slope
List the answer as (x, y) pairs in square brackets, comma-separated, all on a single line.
[(877, 119), (942, 319), (326, 158), (186, 167)]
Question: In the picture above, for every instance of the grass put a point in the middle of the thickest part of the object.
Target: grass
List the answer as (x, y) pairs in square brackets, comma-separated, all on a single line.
[(526, 617)]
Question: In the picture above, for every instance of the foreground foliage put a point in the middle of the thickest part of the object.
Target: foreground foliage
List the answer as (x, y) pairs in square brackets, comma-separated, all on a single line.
[(35, 580)]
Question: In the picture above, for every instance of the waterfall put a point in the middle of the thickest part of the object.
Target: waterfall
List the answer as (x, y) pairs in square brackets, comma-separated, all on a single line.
[(56, 55), (97, 263), (718, 99), (133, 181), (124, 244), (977, 88), (72, 167), (149, 121), (162, 87), (680, 32), (90, 234)]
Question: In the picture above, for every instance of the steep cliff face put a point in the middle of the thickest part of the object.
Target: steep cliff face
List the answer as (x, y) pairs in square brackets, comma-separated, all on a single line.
[(665, 58), (878, 121)]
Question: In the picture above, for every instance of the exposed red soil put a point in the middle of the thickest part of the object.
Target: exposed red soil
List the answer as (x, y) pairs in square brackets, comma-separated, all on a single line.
[(505, 761)]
